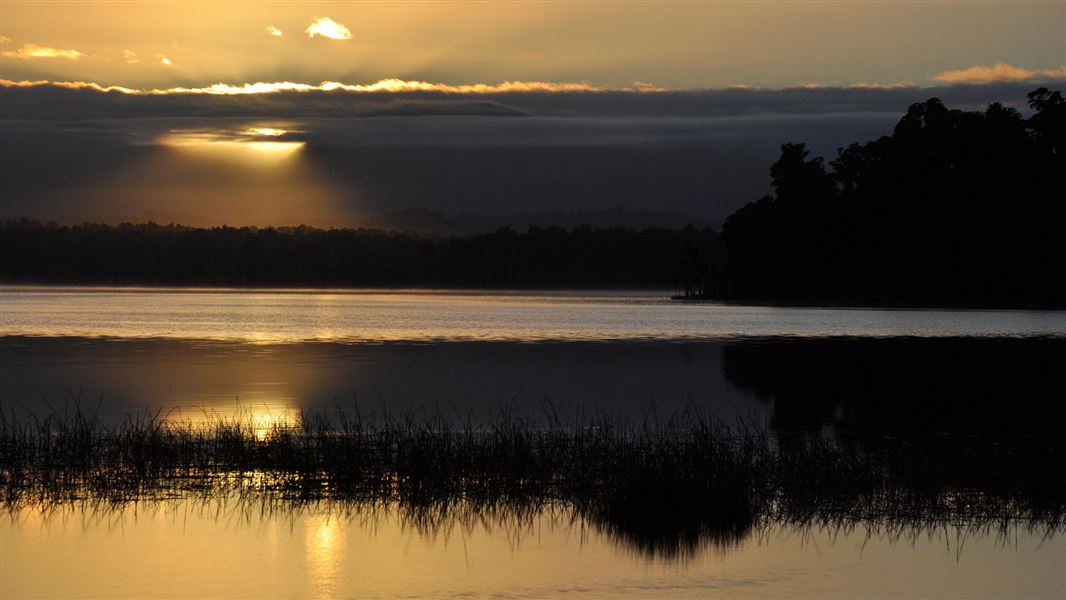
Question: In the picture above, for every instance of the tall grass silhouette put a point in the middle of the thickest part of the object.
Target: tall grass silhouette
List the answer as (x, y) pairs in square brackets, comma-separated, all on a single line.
[(662, 487)]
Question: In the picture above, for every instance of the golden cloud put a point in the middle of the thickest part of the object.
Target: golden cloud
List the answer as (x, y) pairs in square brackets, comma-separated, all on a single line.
[(72, 85), (166, 61), (382, 86), (863, 85), (274, 31), (998, 72), (328, 28), (31, 51), (130, 56)]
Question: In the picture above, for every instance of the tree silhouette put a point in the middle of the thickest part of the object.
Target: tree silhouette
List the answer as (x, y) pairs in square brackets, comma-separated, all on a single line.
[(542, 257), (954, 207)]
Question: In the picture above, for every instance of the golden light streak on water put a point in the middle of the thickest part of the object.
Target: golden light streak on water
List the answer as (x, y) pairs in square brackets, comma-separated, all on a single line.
[(262, 416), (324, 542), (188, 550)]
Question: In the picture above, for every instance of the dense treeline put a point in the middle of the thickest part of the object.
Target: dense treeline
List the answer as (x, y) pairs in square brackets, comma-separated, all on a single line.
[(152, 254), (953, 208)]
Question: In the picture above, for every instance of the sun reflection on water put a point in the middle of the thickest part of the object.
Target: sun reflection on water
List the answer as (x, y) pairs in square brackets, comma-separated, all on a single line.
[(262, 419), (325, 547)]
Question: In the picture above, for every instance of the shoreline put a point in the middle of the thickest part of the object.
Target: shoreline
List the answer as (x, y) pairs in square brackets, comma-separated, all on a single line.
[(857, 305), (606, 292)]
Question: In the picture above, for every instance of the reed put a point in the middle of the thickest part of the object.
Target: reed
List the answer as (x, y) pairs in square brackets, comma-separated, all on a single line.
[(664, 487)]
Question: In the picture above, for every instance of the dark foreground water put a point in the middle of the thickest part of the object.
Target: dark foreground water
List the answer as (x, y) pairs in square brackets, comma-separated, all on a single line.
[(989, 377)]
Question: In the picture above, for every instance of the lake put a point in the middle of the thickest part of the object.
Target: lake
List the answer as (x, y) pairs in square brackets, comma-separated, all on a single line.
[(181, 551), (427, 316), (864, 374)]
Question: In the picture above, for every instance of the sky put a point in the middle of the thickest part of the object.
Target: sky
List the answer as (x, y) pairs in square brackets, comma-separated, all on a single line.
[(681, 45), (331, 113)]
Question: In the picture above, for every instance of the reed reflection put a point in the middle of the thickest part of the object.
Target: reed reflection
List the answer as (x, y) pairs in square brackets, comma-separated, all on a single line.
[(234, 552)]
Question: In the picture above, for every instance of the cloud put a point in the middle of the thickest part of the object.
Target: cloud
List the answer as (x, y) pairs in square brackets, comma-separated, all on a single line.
[(31, 51), (644, 86), (274, 31), (45, 100), (998, 72), (70, 85), (475, 164), (166, 61), (702, 152), (130, 56), (381, 86), (4, 39), (328, 28), (862, 85)]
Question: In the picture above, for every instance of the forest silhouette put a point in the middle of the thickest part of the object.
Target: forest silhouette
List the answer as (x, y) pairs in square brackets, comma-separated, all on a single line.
[(953, 208), (152, 254)]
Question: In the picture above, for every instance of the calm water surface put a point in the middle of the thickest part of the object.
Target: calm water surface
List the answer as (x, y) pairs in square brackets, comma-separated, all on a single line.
[(183, 550), (442, 316)]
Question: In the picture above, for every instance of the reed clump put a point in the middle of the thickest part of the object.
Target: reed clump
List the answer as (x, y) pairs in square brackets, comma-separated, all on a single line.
[(663, 487)]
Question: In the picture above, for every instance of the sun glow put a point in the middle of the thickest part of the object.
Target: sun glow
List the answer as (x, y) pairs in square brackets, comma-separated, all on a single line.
[(260, 420), (247, 145), (281, 148), (266, 131)]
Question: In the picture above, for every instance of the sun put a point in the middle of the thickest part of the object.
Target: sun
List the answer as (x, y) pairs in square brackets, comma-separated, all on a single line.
[(256, 145)]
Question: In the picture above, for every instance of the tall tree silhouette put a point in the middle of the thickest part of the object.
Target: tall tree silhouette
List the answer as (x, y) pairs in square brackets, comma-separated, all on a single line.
[(954, 207)]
